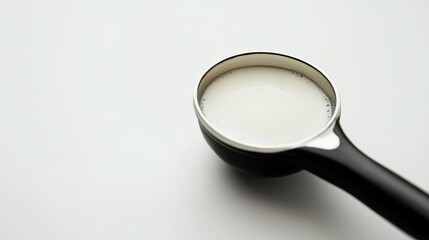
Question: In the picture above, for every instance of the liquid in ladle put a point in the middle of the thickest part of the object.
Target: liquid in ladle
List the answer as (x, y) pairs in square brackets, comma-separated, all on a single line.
[(265, 106)]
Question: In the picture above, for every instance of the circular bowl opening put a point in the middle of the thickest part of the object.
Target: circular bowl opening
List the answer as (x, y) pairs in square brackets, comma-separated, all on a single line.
[(242, 77)]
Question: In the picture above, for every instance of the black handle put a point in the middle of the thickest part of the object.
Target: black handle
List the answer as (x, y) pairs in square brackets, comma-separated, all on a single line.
[(391, 196)]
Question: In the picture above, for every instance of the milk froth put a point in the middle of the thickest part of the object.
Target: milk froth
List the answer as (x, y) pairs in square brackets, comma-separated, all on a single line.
[(265, 106)]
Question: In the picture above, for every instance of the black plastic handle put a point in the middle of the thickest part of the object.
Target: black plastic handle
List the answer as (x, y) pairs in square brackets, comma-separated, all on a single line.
[(391, 196)]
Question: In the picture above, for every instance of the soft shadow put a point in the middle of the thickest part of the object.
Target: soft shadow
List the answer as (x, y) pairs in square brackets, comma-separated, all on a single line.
[(301, 192)]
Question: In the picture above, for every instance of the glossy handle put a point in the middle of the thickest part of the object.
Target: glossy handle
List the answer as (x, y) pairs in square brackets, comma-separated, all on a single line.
[(391, 196)]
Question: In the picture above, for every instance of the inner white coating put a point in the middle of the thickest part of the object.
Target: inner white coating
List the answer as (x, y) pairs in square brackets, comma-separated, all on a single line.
[(265, 106)]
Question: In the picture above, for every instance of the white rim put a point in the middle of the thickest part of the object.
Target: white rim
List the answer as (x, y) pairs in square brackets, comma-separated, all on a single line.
[(262, 148)]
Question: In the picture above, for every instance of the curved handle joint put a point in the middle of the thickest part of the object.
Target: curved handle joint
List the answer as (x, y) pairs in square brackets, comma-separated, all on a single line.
[(391, 196)]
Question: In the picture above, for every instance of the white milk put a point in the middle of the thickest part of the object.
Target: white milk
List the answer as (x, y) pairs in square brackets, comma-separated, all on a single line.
[(265, 106)]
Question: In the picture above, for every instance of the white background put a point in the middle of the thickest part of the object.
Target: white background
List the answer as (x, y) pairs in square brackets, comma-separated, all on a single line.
[(98, 139)]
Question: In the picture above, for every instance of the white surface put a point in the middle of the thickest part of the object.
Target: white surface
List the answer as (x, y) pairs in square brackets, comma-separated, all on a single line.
[(98, 139)]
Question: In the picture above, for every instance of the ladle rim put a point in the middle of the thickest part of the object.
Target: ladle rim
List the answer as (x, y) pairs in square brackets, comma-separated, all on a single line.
[(264, 148)]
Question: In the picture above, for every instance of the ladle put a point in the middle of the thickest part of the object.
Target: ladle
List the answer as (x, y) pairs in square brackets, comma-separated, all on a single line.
[(328, 153)]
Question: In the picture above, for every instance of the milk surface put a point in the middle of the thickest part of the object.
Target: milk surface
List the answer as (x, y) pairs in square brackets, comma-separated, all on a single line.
[(265, 106)]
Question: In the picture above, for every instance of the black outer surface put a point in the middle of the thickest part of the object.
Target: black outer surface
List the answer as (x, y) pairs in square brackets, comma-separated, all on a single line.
[(386, 193)]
